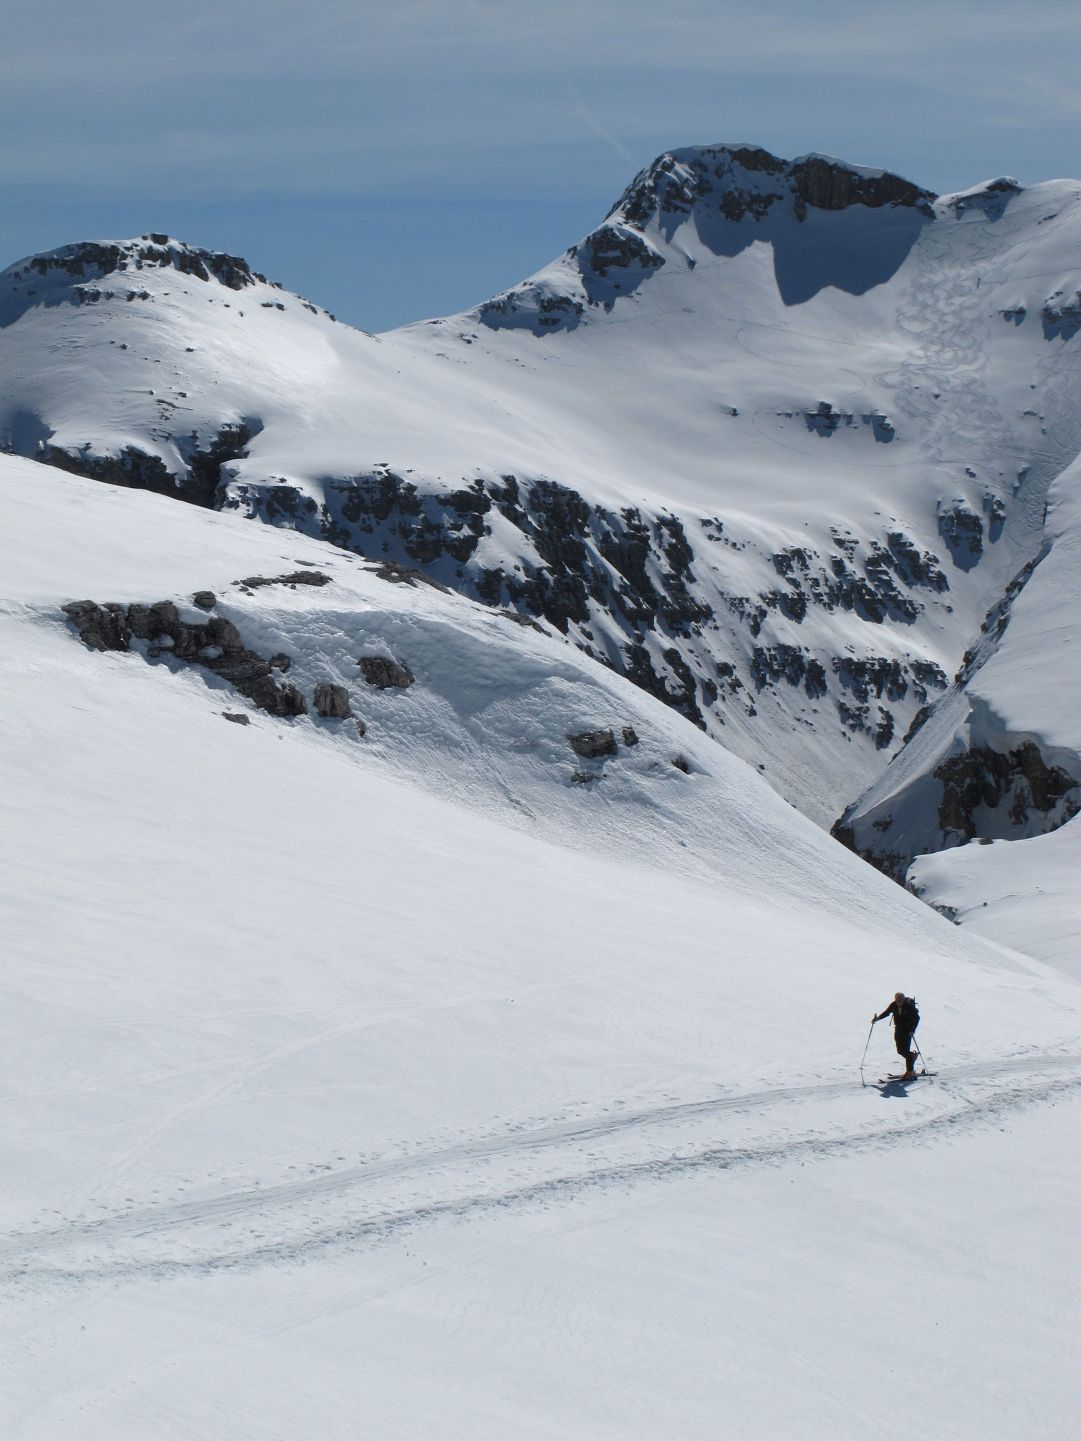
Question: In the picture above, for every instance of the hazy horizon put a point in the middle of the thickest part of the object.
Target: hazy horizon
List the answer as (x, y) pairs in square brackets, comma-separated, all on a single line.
[(393, 166)]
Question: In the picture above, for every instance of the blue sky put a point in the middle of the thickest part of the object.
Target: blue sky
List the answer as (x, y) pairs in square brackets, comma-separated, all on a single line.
[(394, 161)]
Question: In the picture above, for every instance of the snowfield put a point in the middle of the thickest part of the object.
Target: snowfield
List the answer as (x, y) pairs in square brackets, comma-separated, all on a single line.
[(435, 1005), (442, 1081)]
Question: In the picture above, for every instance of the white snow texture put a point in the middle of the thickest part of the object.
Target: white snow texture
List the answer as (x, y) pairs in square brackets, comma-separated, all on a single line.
[(479, 1056)]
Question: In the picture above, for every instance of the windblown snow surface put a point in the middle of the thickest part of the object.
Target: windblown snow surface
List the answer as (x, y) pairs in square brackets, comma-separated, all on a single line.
[(409, 1084), (434, 1003)]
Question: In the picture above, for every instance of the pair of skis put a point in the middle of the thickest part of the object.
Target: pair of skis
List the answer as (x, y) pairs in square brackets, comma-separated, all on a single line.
[(904, 1079)]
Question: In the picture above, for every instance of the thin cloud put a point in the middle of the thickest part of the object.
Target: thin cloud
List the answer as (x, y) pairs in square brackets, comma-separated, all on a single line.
[(579, 107), (355, 95)]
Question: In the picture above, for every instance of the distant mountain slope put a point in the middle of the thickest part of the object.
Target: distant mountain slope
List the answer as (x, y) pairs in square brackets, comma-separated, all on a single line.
[(773, 441), (999, 760)]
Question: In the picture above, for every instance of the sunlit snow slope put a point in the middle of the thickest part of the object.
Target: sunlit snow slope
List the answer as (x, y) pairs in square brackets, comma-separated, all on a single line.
[(439, 1079), (775, 441)]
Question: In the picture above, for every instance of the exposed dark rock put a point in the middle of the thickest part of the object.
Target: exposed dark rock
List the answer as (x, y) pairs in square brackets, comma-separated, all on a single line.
[(883, 732), (828, 185), (298, 577), (795, 560), (78, 259), (686, 698), (675, 184), (996, 621), (205, 461), (332, 701), (588, 559), (101, 627), (281, 662), (869, 675), (789, 664), (992, 198), (204, 599), (1061, 316), (792, 602), (216, 646), (385, 673), (922, 716), (136, 470), (617, 247), (132, 468), (406, 575), (985, 779), (630, 736), (824, 420), (962, 530), (853, 717), (531, 306), (910, 564), (874, 595), (427, 527), (666, 187), (891, 863), (238, 717), (523, 620), (986, 794), (280, 503), (591, 745), (681, 763), (625, 545)]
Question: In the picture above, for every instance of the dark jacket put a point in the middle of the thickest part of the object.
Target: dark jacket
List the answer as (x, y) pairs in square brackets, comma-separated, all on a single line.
[(902, 1022)]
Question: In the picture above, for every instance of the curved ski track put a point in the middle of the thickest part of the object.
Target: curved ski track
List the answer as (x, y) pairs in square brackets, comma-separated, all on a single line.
[(360, 1205)]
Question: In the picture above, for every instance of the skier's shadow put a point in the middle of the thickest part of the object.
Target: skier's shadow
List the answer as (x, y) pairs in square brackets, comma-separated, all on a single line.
[(893, 1090)]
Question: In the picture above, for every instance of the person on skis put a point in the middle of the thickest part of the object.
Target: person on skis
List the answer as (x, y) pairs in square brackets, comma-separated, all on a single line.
[(905, 1020)]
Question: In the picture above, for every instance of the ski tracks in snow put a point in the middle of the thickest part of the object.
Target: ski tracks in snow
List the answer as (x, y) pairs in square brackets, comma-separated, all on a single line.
[(540, 1166)]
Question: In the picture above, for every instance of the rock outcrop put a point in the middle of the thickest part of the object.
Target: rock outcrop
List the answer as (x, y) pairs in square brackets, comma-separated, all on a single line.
[(332, 701), (592, 745), (385, 673), (135, 469), (215, 646)]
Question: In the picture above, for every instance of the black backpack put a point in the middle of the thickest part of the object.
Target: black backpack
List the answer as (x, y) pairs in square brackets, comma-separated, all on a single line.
[(909, 1016)]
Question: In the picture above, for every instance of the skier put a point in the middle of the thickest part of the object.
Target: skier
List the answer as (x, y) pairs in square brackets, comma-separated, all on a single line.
[(905, 1020)]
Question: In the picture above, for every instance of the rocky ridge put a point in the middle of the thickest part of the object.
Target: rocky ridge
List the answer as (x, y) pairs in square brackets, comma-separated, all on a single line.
[(716, 187)]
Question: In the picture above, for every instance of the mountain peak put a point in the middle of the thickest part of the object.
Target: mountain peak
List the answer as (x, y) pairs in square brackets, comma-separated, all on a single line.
[(96, 259), (72, 274), (741, 180), (730, 195)]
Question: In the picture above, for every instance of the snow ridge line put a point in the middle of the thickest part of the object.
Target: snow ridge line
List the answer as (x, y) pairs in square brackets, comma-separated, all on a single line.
[(144, 1225)]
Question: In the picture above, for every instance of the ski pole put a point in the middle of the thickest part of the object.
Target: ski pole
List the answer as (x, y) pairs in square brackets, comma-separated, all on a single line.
[(865, 1049), (919, 1053)]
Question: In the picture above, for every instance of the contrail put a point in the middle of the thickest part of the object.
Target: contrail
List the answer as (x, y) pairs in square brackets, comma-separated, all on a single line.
[(594, 124)]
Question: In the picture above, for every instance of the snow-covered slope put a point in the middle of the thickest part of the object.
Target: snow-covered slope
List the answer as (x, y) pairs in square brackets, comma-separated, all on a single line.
[(771, 441), (775, 442), (997, 772), (441, 1079)]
